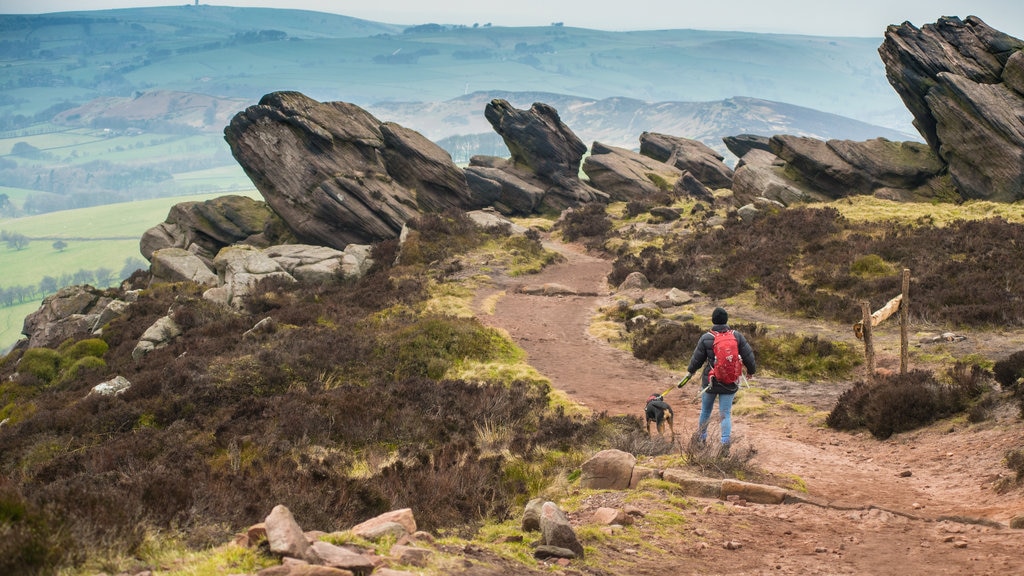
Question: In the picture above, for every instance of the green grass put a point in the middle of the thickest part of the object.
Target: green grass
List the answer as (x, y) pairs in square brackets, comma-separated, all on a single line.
[(97, 237), (11, 321)]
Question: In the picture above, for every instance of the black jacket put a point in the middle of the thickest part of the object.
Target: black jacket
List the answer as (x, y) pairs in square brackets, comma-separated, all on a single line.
[(704, 355)]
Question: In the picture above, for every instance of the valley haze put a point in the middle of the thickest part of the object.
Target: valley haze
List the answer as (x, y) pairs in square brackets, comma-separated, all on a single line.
[(867, 18)]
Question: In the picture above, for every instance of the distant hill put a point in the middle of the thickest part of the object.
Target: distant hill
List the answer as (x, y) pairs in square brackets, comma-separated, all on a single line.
[(459, 126), (115, 105)]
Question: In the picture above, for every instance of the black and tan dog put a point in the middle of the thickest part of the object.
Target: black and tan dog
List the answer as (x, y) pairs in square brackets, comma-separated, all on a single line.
[(659, 412)]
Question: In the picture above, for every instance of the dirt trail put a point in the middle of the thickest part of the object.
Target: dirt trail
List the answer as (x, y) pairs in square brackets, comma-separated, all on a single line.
[(924, 496)]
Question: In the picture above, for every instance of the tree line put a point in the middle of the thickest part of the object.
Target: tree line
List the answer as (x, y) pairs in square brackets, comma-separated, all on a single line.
[(101, 277)]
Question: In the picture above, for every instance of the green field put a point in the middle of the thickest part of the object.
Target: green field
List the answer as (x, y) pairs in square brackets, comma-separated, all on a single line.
[(101, 237)]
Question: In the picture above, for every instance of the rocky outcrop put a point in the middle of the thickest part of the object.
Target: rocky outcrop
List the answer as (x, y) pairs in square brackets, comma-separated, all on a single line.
[(961, 80), (203, 228), (239, 268), (74, 311), (336, 175), (626, 175), (761, 174), (543, 171), (743, 143), (180, 265), (839, 168), (692, 156)]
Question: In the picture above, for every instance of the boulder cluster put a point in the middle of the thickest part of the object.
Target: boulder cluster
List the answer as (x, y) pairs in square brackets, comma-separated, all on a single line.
[(335, 179)]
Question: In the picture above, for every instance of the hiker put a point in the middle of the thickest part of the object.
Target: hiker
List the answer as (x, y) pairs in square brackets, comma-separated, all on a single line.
[(721, 376), (659, 412)]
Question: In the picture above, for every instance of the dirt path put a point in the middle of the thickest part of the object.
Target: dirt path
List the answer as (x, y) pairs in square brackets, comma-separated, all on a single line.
[(925, 497)]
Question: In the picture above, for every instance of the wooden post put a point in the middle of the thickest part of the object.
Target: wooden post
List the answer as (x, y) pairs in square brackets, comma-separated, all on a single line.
[(904, 320), (869, 348)]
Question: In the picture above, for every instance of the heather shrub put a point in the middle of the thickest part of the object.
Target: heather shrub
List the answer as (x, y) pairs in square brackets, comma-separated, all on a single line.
[(31, 541), (902, 402), (587, 221), (1009, 372), (1014, 460), (815, 263), (665, 341), (438, 236)]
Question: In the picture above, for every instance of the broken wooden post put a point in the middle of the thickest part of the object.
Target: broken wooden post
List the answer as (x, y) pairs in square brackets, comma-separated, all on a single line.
[(904, 322), (869, 349)]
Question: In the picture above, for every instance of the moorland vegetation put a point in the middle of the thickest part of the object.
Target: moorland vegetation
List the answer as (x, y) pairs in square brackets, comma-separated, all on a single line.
[(386, 392)]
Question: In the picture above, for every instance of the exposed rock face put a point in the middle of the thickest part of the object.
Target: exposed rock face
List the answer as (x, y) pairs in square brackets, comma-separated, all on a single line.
[(335, 174), (839, 168), (203, 228), (180, 265), (239, 268), (537, 138), (626, 175), (544, 166), (962, 81), (743, 143), (72, 311), (761, 174), (691, 156)]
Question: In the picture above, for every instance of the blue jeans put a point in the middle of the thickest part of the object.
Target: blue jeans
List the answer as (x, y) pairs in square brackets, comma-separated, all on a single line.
[(707, 402)]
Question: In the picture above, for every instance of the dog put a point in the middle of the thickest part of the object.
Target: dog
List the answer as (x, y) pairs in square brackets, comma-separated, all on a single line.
[(660, 413)]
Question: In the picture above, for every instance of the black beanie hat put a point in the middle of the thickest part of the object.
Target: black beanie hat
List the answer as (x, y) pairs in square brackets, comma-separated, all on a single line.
[(719, 316)]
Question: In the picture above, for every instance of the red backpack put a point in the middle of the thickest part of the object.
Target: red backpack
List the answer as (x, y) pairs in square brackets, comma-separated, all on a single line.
[(728, 365)]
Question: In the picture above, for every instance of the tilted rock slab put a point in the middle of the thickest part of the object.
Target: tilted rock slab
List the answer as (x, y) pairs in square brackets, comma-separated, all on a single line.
[(203, 228), (626, 175), (71, 311), (963, 81), (336, 174), (688, 155), (840, 168), (545, 154)]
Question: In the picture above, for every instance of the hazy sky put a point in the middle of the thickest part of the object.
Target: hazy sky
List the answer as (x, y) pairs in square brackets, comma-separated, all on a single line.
[(866, 18)]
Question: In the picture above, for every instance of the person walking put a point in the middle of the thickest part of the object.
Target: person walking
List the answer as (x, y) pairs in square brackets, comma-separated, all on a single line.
[(658, 411), (723, 353)]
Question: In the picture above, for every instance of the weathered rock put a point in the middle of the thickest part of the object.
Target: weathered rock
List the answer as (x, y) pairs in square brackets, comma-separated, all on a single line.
[(338, 557), (635, 280), (693, 188), (424, 167), (239, 268), (692, 156), (607, 516), (158, 335), (608, 470), (839, 168), (626, 175), (545, 551), (693, 485), (557, 531), (410, 555), (180, 265), (757, 493), (538, 139), (531, 515), (546, 155), (360, 179), (508, 190), (403, 517), (113, 387), (767, 180), (71, 311), (317, 264), (641, 473), (742, 144), (203, 228), (489, 218), (284, 535), (951, 76)]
